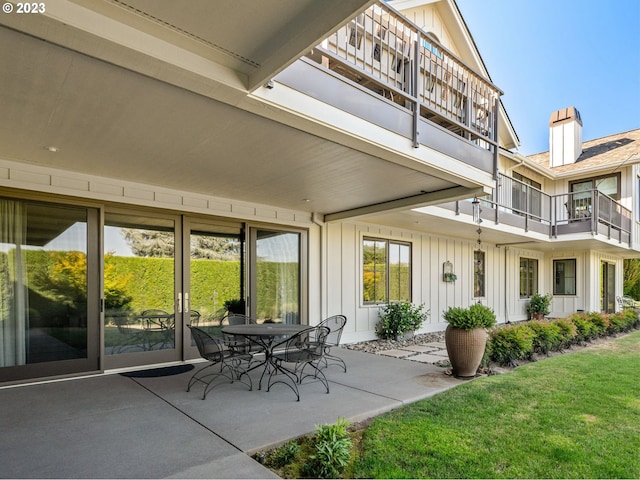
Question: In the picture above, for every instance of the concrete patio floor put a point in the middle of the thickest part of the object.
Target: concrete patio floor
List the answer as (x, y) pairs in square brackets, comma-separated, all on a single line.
[(112, 426)]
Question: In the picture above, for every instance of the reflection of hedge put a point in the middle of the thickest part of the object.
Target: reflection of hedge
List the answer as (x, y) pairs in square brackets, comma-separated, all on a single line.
[(151, 283), (374, 288)]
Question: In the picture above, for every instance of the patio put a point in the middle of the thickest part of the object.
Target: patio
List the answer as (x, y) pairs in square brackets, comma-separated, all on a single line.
[(112, 426)]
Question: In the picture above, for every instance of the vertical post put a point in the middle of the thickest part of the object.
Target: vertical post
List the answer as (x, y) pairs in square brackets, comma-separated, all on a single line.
[(415, 71), (496, 106)]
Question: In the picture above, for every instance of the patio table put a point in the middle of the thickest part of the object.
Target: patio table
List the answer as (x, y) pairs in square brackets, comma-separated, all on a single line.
[(263, 335)]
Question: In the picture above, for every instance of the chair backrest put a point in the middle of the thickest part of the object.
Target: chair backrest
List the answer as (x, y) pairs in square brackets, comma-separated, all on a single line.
[(194, 318), (336, 324), (299, 347), (210, 348), (239, 319)]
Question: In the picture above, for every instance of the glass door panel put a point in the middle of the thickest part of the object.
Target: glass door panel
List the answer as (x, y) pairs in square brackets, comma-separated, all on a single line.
[(214, 281), (608, 287), (48, 289), (140, 289), (276, 276)]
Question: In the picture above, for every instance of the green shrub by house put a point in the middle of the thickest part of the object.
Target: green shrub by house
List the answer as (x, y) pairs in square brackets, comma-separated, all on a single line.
[(511, 343), (398, 318)]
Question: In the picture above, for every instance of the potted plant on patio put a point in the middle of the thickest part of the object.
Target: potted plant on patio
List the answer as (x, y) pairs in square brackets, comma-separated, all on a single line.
[(539, 306), (398, 319), (466, 337)]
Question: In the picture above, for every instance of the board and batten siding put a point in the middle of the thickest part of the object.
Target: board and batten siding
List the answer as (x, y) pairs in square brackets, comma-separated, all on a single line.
[(343, 281)]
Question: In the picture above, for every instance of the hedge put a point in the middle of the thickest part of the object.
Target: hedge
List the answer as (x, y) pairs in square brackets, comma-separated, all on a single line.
[(511, 343)]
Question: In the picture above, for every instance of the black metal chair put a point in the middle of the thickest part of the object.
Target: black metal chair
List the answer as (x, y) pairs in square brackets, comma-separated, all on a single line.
[(335, 324), (299, 351), (217, 353), (241, 343)]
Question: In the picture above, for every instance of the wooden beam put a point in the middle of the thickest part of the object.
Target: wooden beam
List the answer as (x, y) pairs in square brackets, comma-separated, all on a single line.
[(408, 203)]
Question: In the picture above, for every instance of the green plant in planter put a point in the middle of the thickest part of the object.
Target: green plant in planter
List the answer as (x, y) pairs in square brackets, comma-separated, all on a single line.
[(539, 305), (398, 318), (466, 337), (475, 316)]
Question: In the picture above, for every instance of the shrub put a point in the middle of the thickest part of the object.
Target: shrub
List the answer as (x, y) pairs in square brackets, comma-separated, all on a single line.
[(283, 455), (332, 451), (475, 316), (398, 318), (548, 336), (540, 304), (511, 343), (585, 327), (568, 331)]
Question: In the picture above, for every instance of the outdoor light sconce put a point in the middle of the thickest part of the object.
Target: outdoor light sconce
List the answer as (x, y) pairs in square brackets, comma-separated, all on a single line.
[(447, 272)]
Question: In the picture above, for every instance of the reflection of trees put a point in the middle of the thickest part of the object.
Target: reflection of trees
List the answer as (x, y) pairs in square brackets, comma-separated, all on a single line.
[(159, 244), (115, 286), (64, 278)]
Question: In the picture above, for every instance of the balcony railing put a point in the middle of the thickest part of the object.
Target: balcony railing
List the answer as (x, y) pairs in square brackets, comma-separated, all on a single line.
[(518, 204), (386, 53)]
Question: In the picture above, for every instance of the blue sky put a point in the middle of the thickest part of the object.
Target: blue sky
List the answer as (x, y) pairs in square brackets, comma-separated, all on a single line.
[(550, 54)]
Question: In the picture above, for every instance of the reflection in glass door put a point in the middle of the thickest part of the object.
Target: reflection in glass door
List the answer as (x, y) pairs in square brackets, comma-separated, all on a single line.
[(214, 282), (48, 287), (276, 276), (608, 287), (139, 289)]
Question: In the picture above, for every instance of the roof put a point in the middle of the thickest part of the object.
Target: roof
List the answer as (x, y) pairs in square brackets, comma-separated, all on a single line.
[(601, 153)]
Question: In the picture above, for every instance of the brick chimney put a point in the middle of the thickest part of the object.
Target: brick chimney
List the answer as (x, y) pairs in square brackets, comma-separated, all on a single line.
[(565, 137)]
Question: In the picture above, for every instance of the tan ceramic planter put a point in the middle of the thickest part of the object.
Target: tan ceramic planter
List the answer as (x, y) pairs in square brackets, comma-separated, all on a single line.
[(465, 349)]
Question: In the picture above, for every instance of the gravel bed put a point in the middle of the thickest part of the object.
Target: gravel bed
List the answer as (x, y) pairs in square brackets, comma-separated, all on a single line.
[(375, 346)]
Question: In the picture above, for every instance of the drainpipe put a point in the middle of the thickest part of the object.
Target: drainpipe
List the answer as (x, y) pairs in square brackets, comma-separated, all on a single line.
[(506, 284)]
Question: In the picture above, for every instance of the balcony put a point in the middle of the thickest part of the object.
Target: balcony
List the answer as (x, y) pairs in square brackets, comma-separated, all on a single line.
[(383, 68), (520, 205)]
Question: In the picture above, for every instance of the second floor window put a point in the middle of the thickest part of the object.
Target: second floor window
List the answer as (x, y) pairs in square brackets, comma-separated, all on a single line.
[(478, 274), (564, 277), (386, 272), (528, 277)]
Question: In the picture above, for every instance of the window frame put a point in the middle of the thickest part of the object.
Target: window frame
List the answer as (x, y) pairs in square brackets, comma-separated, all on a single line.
[(565, 261), (530, 262), (594, 184), (387, 283)]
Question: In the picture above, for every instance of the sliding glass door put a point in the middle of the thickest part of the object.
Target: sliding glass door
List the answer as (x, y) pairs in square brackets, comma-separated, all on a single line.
[(48, 289), (277, 270)]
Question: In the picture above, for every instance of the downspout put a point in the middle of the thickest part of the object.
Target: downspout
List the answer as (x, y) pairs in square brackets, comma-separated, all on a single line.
[(318, 219), (506, 284)]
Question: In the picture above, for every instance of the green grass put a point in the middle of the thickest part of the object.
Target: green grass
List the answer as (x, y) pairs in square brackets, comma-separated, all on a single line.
[(571, 416)]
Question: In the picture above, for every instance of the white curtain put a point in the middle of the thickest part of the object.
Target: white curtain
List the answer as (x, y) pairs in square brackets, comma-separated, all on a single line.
[(13, 290)]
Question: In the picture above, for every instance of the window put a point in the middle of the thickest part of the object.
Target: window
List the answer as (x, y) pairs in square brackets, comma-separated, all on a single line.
[(478, 273), (528, 277), (386, 273), (564, 277)]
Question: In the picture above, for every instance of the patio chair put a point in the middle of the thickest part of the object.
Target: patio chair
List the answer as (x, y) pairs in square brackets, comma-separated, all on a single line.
[(299, 351), (240, 343), (216, 352), (335, 324)]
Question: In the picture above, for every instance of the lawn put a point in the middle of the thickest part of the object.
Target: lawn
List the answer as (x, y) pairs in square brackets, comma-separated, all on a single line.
[(570, 416)]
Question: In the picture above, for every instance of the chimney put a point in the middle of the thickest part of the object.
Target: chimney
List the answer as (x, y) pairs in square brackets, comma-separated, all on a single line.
[(565, 137)]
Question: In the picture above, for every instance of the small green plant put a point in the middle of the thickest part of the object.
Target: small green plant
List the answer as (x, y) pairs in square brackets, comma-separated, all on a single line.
[(540, 304), (475, 316), (331, 451), (283, 455), (398, 318)]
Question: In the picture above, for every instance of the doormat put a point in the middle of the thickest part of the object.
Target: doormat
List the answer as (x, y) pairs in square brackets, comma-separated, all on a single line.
[(159, 372)]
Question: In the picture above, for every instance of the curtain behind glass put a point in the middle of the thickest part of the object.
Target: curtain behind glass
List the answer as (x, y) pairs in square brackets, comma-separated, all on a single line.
[(13, 291)]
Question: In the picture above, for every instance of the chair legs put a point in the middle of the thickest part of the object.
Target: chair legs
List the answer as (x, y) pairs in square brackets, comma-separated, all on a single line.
[(228, 371), (291, 375), (335, 361), (317, 374)]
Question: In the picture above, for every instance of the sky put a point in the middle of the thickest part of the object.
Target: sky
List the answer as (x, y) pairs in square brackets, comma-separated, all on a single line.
[(546, 55)]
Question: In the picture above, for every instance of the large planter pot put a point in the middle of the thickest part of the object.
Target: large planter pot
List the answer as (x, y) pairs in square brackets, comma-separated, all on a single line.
[(465, 349)]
